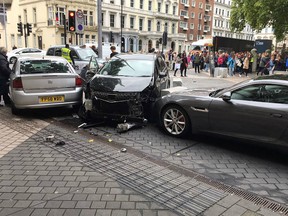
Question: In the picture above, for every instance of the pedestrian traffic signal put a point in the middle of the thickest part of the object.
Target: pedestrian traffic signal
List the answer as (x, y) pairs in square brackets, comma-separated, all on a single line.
[(20, 28), (29, 29), (71, 21)]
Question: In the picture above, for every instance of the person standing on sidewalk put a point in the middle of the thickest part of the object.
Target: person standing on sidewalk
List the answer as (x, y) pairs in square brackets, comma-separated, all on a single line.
[(5, 72), (197, 62), (184, 65), (231, 64), (178, 62), (246, 64)]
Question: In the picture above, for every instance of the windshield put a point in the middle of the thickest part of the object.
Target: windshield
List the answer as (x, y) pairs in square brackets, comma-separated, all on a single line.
[(85, 54), (219, 92), (43, 66), (133, 68)]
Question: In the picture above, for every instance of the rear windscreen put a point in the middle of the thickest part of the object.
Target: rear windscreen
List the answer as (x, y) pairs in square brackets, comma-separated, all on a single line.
[(43, 66)]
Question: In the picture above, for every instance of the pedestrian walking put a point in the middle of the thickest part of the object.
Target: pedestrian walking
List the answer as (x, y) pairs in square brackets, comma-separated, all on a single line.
[(178, 61), (246, 64), (5, 72), (231, 64)]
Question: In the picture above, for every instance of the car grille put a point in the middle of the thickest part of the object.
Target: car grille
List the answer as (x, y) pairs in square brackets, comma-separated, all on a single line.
[(110, 96)]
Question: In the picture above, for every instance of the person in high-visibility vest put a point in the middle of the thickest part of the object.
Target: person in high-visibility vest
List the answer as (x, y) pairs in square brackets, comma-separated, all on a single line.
[(66, 53)]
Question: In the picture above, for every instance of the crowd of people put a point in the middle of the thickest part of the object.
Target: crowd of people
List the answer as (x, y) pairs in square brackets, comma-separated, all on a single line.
[(240, 63)]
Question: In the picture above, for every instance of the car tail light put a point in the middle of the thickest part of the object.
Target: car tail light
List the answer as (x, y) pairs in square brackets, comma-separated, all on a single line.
[(17, 84), (78, 81)]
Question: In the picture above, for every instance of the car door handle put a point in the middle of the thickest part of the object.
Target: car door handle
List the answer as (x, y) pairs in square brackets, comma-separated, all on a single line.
[(276, 115)]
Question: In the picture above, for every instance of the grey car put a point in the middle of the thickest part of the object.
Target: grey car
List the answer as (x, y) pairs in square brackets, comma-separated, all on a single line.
[(44, 82), (255, 109)]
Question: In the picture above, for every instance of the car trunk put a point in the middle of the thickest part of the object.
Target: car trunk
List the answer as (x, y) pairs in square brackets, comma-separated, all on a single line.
[(48, 83)]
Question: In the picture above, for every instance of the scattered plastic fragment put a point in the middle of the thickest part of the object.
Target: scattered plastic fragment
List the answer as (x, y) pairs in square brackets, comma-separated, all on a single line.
[(91, 140), (49, 138), (94, 134), (82, 125), (123, 127), (110, 140), (178, 154), (60, 143), (75, 116), (76, 131), (56, 192), (123, 150)]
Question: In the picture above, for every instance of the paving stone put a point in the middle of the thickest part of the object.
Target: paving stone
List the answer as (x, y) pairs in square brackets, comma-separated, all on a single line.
[(235, 210), (228, 201), (40, 212)]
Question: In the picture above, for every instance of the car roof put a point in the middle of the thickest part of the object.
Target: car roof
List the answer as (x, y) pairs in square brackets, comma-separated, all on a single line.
[(70, 46), (137, 56), (35, 57), (282, 77)]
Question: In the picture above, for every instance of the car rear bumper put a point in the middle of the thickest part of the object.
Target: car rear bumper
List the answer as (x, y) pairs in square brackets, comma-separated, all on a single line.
[(22, 100)]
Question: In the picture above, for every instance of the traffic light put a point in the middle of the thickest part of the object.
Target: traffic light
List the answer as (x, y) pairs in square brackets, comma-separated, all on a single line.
[(111, 36), (29, 29), (20, 28), (71, 21)]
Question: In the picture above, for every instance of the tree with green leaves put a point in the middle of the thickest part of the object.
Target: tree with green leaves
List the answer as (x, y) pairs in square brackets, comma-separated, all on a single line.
[(260, 14)]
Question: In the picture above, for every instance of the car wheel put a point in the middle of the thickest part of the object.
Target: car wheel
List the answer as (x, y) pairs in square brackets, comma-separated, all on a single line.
[(175, 121), (13, 60), (14, 110)]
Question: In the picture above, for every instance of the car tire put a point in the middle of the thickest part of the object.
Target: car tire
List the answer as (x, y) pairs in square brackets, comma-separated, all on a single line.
[(13, 60), (175, 121), (14, 110)]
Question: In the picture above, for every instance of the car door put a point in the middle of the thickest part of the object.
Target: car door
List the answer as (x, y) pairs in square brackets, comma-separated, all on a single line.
[(248, 114)]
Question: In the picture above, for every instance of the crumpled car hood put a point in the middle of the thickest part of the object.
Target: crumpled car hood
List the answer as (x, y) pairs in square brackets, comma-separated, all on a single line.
[(119, 84)]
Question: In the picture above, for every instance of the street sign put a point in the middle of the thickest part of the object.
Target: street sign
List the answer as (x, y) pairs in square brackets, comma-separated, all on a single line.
[(79, 22)]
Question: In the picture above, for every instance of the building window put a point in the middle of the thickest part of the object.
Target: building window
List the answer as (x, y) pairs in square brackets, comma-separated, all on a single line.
[(174, 10), (173, 28), (158, 26), (184, 1), (216, 11), (131, 22), (228, 13), (191, 36), (25, 16), (87, 38), (157, 44), (200, 16), (91, 18), (200, 5), (93, 40), (149, 25), (50, 16), (34, 15), (111, 1), (85, 16), (141, 4), (159, 6), (192, 15), (132, 3), (166, 8), (191, 25), (166, 27), (140, 24), (150, 5), (199, 26), (59, 16), (112, 20), (102, 19), (193, 4)]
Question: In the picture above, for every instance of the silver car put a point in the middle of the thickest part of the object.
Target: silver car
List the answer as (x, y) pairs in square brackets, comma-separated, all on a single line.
[(255, 109), (42, 82)]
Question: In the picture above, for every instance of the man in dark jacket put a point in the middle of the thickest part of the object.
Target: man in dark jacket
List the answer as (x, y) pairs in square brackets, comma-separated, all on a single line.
[(4, 75)]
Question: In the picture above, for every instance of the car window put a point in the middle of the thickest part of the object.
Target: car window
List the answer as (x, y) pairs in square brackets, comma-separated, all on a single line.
[(50, 52), (35, 51), (121, 67), (276, 94), (58, 51), (249, 93), (25, 51), (85, 53), (74, 55), (43, 66)]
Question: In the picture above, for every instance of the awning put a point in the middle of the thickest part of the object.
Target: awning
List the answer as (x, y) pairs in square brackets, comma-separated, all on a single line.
[(203, 42)]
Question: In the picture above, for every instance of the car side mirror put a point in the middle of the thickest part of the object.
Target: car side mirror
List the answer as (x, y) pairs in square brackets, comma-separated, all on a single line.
[(226, 96)]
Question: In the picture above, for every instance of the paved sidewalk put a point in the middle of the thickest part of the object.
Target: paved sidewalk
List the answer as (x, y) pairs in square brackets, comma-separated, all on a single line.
[(88, 176)]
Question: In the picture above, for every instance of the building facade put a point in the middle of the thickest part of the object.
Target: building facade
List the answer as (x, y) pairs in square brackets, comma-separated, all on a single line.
[(195, 19), (221, 22), (143, 23)]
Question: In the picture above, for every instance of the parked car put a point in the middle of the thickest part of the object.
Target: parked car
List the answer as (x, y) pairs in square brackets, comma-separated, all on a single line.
[(125, 88), (255, 109), (16, 53), (81, 55), (42, 82)]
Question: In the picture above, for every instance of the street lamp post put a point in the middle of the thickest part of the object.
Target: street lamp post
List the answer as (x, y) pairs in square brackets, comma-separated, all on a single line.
[(4, 18), (99, 23), (121, 21)]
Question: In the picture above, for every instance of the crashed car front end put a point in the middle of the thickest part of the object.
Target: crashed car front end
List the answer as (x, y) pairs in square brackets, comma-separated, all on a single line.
[(117, 106)]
